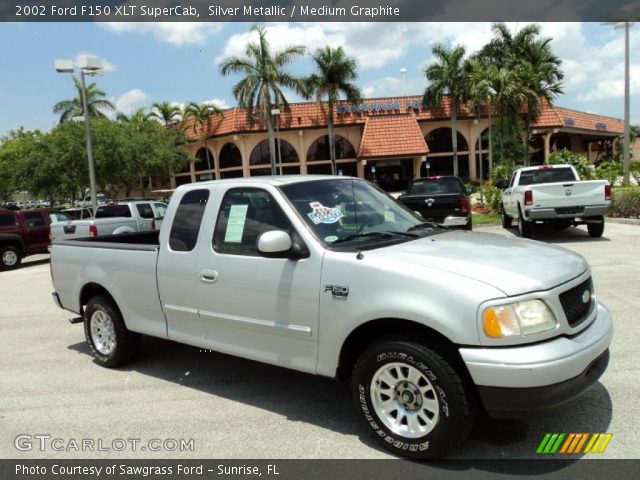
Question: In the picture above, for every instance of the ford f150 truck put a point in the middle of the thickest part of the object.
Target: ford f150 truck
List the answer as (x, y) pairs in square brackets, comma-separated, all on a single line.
[(555, 194), (330, 276)]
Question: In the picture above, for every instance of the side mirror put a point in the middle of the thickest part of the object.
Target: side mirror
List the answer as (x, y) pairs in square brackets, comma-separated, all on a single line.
[(278, 244)]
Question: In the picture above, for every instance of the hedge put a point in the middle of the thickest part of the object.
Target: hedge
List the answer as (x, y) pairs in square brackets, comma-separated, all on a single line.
[(625, 202)]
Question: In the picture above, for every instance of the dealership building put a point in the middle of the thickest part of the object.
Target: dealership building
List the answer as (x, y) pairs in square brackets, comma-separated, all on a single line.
[(389, 140)]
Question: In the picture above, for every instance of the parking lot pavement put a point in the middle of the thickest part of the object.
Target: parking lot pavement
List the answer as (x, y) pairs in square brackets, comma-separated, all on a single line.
[(234, 408)]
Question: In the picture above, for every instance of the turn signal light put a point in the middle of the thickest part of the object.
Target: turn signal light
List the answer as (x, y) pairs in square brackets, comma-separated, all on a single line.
[(464, 204), (93, 231), (607, 192), (528, 197)]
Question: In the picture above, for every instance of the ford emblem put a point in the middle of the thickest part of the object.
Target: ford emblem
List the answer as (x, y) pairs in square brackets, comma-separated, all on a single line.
[(586, 296)]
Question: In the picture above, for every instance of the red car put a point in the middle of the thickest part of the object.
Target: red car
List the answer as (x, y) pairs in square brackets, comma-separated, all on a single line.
[(25, 232)]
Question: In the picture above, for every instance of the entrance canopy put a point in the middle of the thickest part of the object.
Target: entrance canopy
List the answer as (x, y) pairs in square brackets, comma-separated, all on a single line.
[(392, 136)]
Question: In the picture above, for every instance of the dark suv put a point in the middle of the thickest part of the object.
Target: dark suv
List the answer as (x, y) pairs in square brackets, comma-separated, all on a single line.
[(25, 233), (442, 200)]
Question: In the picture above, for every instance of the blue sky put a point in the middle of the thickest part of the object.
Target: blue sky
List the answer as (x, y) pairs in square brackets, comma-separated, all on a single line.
[(177, 62)]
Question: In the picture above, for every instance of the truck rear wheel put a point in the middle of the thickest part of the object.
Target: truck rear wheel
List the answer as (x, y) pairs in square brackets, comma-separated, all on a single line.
[(10, 257), (506, 219), (111, 343), (525, 227), (412, 398), (596, 229)]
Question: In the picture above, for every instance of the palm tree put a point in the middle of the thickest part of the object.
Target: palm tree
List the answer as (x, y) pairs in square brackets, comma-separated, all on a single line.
[(447, 77), (336, 71), (201, 115), (264, 77), (165, 112), (136, 118), (478, 94), (96, 101)]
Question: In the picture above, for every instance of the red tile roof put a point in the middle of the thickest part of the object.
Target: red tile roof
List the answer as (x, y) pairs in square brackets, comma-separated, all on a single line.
[(395, 136), (314, 115)]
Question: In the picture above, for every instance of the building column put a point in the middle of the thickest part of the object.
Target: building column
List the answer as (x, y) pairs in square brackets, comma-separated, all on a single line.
[(547, 147), (243, 153), (361, 165), (417, 164), (303, 158)]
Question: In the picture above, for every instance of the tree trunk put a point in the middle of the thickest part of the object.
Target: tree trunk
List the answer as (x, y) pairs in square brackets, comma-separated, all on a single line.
[(480, 148), (272, 142), (332, 140), (527, 158), (454, 135)]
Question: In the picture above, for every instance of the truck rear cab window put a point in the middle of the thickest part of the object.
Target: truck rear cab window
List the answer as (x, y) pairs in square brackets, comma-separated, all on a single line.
[(145, 210), (187, 220), (547, 175), (7, 220), (245, 214), (435, 186), (113, 211)]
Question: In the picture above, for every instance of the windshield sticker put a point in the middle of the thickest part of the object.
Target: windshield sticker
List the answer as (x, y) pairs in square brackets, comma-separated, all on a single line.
[(322, 214), (330, 239), (235, 223)]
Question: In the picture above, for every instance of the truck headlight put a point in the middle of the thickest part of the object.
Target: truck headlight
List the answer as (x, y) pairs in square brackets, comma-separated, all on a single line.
[(519, 318)]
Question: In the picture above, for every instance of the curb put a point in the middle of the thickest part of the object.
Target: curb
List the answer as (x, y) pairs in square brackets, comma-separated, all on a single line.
[(626, 221)]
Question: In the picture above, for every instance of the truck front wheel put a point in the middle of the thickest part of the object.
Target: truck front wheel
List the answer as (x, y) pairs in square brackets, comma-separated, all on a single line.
[(412, 399), (10, 257), (111, 343)]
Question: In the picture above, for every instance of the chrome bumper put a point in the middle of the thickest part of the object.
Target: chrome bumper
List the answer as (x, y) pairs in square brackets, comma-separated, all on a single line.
[(452, 221), (551, 214)]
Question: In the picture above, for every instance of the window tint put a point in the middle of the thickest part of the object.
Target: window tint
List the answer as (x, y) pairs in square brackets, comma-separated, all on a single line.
[(547, 175), (435, 187), (145, 210), (186, 223), (245, 214), (113, 211), (56, 217), (34, 219), (7, 220)]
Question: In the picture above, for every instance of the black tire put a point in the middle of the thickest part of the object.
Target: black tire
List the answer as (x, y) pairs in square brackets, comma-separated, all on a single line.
[(525, 227), (596, 229), (125, 343), (506, 219), (10, 257), (469, 225), (453, 412)]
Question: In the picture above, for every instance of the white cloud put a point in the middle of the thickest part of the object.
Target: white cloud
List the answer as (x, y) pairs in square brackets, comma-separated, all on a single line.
[(129, 101), (220, 103), (106, 64), (175, 33)]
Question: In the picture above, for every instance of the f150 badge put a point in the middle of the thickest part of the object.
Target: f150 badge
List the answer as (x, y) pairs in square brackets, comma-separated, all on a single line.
[(337, 290)]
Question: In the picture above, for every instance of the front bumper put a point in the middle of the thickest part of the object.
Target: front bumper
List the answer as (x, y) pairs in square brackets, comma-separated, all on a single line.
[(533, 377), (454, 221)]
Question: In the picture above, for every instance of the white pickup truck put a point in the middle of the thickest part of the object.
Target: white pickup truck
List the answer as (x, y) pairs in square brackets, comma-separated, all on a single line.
[(555, 194), (139, 216), (331, 276)]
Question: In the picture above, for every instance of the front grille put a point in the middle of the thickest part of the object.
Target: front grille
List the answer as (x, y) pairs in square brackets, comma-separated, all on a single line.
[(573, 304)]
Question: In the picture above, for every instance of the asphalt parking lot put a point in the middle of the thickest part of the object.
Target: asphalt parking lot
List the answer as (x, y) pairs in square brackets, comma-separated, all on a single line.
[(234, 408)]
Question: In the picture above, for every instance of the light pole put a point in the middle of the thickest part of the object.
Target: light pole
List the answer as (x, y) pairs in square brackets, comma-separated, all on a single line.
[(403, 71), (490, 93), (89, 66), (276, 113)]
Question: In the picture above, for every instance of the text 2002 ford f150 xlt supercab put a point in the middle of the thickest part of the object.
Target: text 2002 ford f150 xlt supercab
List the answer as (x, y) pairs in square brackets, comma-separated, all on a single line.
[(329, 275)]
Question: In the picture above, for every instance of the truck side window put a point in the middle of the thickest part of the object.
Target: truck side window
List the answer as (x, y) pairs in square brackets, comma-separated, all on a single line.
[(513, 177), (7, 220), (245, 214), (34, 219), (187, 220)]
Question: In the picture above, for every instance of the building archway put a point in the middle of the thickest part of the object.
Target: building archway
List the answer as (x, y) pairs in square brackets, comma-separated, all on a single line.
[(319, 150), (261, 155), (439, 141), (440, 157), (230, 156), (486, 166)]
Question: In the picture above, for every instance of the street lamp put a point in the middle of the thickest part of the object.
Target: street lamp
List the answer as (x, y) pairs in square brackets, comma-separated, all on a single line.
[(403, 71), (490, 93), (88, 66), (626, 157), (276, 113)]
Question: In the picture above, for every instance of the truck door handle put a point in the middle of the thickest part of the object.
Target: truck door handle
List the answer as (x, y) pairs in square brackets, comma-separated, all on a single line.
[(208, 276)]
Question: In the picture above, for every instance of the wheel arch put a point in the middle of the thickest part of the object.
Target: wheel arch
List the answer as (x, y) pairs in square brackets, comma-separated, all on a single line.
[(367, 333), (13, 241), (93, 289)]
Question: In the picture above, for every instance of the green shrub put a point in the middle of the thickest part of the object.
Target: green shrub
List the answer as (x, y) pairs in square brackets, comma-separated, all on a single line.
[(609, 170), (625, 202), (580, 162), (492, 197), (500, 174)]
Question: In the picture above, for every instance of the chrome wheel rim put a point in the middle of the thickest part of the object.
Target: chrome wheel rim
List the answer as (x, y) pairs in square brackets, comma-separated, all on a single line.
[(404, 400), (10, 258), (103, 333)]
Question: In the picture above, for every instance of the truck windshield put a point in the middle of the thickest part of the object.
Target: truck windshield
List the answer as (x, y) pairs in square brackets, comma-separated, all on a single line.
[(349, 212), (547, 175), (435, 186)]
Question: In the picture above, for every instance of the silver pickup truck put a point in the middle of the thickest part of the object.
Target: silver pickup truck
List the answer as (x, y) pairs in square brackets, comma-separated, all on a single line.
[(330, 276)]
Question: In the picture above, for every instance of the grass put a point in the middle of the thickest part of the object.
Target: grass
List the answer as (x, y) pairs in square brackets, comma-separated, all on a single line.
[(486, 219)]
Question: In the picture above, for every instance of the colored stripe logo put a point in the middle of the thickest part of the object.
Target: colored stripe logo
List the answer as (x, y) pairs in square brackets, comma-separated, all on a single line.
[(574, 443)]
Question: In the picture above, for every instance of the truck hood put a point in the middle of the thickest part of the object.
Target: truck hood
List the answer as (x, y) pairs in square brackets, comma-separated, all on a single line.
[(512, 265)]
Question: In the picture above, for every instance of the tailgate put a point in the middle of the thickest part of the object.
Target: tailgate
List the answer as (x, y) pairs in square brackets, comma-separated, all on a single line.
[(568, 194), (433, 207)]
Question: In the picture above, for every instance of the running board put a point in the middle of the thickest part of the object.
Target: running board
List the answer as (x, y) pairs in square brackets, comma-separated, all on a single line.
[(76, 320)]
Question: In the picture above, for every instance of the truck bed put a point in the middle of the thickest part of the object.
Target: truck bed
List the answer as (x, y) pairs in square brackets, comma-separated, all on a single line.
[(124, 241)]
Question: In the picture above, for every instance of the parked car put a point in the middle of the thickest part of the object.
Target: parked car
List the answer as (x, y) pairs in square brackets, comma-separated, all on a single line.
[(331, 276), (24, 233), (554, 194), (109, 220), (78, 213), (442, 199), (101, 199)]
